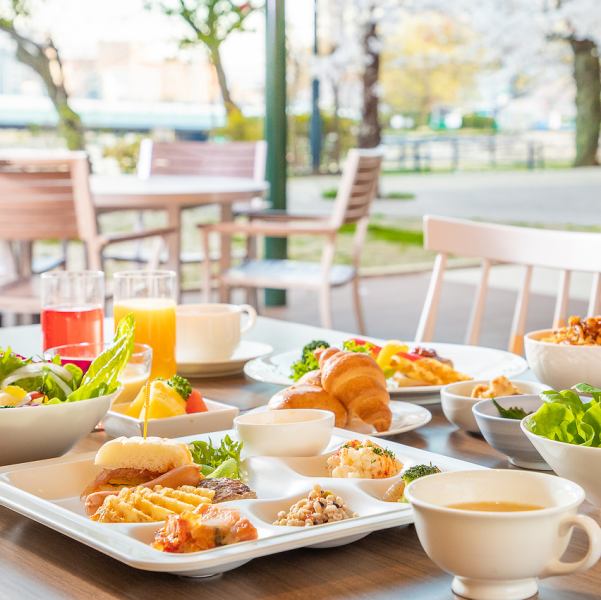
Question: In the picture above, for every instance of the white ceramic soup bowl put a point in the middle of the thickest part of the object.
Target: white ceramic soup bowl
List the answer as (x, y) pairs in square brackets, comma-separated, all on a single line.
[(37, 432), (287, 432), (561, 365), (506, 435), (456, 401), (499, 555), (581, 464)]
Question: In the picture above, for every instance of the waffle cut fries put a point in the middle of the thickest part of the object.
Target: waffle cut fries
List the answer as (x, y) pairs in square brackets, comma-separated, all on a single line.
[(142, 505), (427, 371)]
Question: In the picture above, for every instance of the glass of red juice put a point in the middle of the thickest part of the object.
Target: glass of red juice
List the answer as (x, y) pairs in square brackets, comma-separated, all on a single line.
[(72, 308)]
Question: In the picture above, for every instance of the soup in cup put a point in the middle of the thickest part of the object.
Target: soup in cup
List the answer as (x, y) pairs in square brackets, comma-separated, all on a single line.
[(498, 531)]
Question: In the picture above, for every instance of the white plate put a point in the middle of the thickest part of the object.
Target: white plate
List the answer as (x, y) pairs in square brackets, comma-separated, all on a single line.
[(246, 351), (406, 416), (476, 361), (218, 417), (48, 492)]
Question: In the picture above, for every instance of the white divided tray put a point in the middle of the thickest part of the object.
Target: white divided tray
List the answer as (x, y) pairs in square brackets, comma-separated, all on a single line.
[(48, 492)]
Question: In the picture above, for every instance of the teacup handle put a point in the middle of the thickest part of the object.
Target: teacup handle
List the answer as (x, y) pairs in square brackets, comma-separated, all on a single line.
[(593, 532), (252, 317)]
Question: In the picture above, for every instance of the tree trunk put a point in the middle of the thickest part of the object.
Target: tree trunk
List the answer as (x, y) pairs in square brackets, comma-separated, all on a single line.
[(370, 130), (588, 101), (34, 56), (231, 107)]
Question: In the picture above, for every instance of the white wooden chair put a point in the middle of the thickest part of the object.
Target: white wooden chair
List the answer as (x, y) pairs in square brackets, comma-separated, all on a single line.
[(565, 251), (49, 198), (356, 192)]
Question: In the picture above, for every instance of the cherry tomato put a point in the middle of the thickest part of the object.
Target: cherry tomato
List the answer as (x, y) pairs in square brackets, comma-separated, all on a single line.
[(195, 403)]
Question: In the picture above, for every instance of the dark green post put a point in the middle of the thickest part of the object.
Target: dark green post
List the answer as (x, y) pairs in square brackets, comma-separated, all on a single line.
[(275, 127)]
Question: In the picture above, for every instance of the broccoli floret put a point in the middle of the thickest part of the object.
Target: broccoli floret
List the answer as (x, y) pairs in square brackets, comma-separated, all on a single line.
[(418, 471), (309, 349), (180, 385), (308, 361)]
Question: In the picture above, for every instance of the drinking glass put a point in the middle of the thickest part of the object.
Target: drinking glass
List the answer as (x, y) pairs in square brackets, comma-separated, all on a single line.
[(151, 297), (72, 308), (132, 378)]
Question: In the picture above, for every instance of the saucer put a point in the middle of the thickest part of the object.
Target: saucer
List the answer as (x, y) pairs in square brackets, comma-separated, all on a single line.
[(246, 350)]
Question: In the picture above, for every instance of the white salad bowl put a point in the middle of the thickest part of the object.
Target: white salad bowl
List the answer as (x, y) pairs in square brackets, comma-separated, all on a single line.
[(562, 365), (286, 432), (457, 403), (36, 432), (505, 435), (581, 464)]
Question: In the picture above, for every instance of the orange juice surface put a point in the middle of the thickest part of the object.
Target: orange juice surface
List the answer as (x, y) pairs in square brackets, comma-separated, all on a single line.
[(155, 326)]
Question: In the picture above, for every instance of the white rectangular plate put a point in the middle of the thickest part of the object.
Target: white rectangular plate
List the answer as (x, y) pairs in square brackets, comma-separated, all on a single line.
[(48, 492), (218, 417)]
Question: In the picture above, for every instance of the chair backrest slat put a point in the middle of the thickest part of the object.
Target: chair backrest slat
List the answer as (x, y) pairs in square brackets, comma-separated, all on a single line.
[(228, 159), (38, 200), (358, 186), (566, 251)]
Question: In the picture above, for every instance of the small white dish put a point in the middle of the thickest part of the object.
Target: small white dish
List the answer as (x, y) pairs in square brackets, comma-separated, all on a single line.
[(581, 464), (245, 352), (496, 555), (406, 416), (562, 365), (288, 432), (505, 435), (36, 432), (218, 417), (457, 402)]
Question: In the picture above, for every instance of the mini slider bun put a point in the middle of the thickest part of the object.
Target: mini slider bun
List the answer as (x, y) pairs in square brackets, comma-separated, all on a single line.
[(155, 454), (128, 462)]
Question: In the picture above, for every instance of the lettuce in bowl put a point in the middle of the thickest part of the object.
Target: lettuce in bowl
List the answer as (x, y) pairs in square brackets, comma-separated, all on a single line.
[(564, 417)]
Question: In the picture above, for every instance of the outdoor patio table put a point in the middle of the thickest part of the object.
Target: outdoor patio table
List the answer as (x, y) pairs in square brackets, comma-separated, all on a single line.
[(36, 562), (173, 193)]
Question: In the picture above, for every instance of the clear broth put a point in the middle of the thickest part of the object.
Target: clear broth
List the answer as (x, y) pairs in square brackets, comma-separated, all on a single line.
[(495, 506)]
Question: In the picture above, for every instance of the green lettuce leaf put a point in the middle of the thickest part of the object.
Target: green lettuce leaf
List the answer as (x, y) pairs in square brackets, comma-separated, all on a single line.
[(10, 362), (102, 376), (565, 418)]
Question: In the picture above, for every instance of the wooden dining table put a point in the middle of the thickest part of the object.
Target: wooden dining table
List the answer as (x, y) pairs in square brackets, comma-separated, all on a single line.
[(173, 194), (39, 563)]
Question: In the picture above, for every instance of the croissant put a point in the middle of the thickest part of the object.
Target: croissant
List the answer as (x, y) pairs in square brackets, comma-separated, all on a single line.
[(358, 382), (311, 378), (309, 396)]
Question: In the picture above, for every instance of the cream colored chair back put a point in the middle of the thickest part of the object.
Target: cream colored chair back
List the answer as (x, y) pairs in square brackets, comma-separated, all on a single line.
[(565, 251)]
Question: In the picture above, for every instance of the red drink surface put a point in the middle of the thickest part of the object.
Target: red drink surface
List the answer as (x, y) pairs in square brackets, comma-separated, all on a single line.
[(72, 326)]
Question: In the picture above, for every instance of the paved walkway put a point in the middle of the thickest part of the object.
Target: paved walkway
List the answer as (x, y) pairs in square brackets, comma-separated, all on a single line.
[(552, 197)]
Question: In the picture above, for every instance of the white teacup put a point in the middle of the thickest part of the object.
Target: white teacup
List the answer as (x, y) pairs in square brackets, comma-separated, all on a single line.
[(499, 555), (210, 332)]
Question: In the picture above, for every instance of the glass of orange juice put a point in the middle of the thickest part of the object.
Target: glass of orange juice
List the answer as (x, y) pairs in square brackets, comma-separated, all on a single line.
[(151, 297)]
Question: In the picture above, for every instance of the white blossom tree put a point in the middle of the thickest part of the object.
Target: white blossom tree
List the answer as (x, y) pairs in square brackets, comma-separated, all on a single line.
[(526, 37)]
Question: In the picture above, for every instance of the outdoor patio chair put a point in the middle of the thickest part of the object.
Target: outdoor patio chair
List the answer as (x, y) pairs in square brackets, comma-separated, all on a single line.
[(565, 251), (49, 199), (356, 192)]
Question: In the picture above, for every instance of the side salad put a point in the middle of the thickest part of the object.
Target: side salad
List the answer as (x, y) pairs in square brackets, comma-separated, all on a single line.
[(564, 416), (33, 382), (218, 461)]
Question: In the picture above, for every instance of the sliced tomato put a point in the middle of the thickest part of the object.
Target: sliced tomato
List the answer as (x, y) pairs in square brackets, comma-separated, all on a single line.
[(195, 403), (410, 356)]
